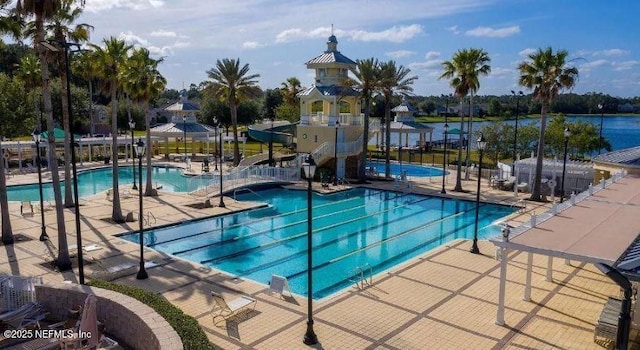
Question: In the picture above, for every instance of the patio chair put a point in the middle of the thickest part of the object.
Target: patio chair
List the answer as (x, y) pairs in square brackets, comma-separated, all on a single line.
[(27, 315), (26, 208), (278, 285), (222, 309)]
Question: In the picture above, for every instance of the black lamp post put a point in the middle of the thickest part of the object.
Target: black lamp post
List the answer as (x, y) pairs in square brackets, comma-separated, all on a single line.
[(221, 204), (335, 154), (184, 130), (142, 272), (567, 133), (37, 138), (215, 146), (132, 125), (310, 337), (444, 156), (515, 134), (600, 106), (271, 163), (482, 145)]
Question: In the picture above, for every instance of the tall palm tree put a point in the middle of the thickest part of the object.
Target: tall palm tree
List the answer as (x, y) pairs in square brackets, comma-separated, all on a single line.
[(41, 10), (393, 80), (367, 76), (464, 70), (233, 84), (112, 59), (143, 82), (61, 25), (290, 90), (547, 73)]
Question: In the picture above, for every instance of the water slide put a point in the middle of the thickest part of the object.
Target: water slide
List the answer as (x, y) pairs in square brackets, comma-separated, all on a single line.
[(278, 132)]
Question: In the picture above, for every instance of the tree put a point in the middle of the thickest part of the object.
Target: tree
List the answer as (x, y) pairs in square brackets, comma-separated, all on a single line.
[(367, 81), (112, 59), (464, 71), (233, 84), (393, 80), (290, 90), (43, 9), (61, 25), (547, 73), (495, 107), (142, 81), (272, 99)]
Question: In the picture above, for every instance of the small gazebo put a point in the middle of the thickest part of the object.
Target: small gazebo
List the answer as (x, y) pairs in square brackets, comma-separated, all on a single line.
[(181, 128), (405, 124)]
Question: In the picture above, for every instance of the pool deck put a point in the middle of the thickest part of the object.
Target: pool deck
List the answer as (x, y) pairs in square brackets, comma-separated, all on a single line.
[(445, 299)]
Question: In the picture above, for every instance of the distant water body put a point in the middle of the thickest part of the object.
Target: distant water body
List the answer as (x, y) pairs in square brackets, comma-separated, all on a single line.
[(622, 131)]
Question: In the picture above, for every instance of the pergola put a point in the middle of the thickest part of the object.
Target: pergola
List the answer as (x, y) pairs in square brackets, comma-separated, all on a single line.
[(596, 226)]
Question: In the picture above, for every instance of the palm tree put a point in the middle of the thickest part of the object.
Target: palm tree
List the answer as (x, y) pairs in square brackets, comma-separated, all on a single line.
[(367, 74), (143, 82), (60, 24), (112, 60), (393, 80), (43, 9), (547, 73), (10, 22), (290, 90), (84, 65), (233, 84), (464, 70)]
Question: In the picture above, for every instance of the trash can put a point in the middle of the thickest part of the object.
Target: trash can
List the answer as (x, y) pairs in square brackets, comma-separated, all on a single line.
[(107, 159)]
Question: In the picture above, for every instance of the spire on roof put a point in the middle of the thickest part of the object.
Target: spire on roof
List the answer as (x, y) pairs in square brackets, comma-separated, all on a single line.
[(332, 43)]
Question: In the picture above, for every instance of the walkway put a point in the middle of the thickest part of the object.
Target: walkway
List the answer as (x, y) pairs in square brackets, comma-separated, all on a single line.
[(445, 299)]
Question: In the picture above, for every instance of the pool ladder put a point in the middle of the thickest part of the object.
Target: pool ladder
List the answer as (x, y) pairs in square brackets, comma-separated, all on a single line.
[(149, 220), (359, 277)]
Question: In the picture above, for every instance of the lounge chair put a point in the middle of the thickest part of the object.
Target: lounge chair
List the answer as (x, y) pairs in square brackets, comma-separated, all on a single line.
[(26, 208), (27, 315), (278, 285), (222, 309)]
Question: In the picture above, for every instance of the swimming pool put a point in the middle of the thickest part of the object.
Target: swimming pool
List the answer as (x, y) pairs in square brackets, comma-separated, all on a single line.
[(411, 169), (350, 229), (94, 181)]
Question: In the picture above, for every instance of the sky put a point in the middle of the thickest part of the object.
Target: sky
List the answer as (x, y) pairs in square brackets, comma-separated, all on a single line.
[(277, 37)]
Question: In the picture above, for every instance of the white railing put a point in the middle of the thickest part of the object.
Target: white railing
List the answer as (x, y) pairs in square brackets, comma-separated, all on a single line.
[(246, 176)]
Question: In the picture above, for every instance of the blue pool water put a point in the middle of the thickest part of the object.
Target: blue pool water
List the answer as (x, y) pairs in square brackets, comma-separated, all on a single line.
[(94, 181), (350, 229), (411, 169)]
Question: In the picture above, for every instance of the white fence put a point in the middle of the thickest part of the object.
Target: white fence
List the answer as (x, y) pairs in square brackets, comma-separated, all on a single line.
[(578, 174), (241, 177)]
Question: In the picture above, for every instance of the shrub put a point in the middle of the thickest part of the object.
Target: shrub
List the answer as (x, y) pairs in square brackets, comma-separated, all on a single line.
[(192, 336)]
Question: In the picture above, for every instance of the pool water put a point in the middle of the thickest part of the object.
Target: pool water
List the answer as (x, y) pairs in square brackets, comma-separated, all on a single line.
[(411, 169), (94, 181), (355, 228)]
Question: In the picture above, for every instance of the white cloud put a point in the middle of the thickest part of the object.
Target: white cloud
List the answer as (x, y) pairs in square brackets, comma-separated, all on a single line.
[(526, 52), (431, 55), (453, 29), (133, 39), (426, 65), (251, 45), (625, 65), (493, 33), (164, 33), (614, 52), (100, 5), (400, 54), (592, 64), (501, 73), (394, 34)]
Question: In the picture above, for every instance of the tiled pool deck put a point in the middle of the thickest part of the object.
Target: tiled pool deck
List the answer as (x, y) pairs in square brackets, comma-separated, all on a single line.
[(446, 299)]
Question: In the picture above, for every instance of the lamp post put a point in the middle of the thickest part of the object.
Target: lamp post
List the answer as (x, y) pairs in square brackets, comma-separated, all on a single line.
[(215, 137), (515, 134), (142, 272), (132, 125), (335, 154), (271, 144), (567, 133), (482, 145), (184, 130), (310, 337), (221, 204), (444, 156), (600, 106), (37, 137)]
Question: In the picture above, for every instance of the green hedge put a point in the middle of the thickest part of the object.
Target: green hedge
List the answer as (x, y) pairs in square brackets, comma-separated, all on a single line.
[(192, 336)]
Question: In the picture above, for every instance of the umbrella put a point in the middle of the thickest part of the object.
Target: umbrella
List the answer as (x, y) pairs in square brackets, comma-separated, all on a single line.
[(456, 132), (89, 322)]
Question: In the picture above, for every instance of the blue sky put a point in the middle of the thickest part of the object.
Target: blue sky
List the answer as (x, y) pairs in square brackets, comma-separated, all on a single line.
[(276, 37)]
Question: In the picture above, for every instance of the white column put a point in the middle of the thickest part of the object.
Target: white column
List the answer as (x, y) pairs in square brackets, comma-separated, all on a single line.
[(527, 282), (503, 286), (549, 269), (80, 152)]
